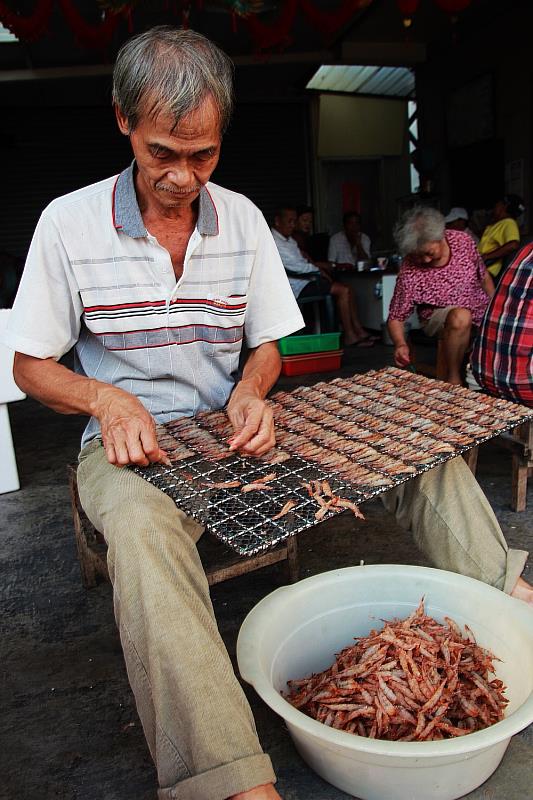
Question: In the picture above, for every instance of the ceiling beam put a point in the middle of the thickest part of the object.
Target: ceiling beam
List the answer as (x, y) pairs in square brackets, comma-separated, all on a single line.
[(53, 73), (384, 54)]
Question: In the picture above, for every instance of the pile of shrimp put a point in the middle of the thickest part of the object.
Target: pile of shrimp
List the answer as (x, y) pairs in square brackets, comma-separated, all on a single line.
[(414, 680)]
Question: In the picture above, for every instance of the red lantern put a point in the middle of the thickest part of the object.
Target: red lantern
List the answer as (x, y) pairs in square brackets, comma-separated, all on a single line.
[(407, 9), (453, 6)]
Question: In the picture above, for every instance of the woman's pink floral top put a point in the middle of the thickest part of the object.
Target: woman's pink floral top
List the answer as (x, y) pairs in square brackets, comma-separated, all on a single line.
[(457, 283)]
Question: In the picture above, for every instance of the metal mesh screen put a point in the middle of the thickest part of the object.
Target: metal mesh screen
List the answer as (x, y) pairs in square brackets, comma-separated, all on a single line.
[(363, 435)]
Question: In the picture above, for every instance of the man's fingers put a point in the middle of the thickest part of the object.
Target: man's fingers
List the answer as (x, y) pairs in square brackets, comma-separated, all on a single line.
[(129, 444), (151, 448), (251, 427), (110, 452), (264, 439), (122, 453), (260, 444)]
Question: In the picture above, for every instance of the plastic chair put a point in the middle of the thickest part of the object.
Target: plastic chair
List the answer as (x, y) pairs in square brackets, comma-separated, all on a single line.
[(318, 302)]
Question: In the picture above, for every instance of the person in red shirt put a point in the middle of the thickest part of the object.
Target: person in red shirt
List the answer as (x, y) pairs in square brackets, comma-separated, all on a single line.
[(444, 279)]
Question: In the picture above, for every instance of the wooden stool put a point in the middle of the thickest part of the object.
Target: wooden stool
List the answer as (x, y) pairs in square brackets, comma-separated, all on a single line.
[(519, 441), (220, 562)]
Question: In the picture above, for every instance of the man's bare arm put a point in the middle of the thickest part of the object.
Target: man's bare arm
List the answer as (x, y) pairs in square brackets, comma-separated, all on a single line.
[(250, 416), (128, 430)]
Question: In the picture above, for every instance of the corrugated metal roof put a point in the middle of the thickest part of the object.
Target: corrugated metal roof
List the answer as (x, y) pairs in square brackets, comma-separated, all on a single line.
[(6, 35), (388, 81)]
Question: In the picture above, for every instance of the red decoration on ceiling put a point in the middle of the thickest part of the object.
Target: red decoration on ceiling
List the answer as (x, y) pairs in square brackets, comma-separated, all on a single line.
[(268, 37), (453, 6), (265, 37), (29, 28), (93, 37), (331, 21), (408, 7), (32, 27)]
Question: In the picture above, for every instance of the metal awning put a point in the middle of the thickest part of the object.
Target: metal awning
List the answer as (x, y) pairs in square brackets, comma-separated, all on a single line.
[(353, 79)]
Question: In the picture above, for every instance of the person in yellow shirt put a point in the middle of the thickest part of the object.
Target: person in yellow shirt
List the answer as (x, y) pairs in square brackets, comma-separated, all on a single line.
[(502, 236)]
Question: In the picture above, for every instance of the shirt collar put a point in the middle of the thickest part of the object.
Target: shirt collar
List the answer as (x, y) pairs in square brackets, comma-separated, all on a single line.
[(277, 235), (127, 215)]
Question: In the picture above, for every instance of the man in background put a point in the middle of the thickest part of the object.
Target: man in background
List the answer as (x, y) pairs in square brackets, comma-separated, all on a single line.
[(349, 245), (315, 278)]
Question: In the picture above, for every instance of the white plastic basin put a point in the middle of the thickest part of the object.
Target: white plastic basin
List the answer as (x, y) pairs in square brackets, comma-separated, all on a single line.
[(298, 629)]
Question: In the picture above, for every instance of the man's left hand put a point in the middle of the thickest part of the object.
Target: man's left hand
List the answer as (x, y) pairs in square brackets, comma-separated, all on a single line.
[(253, 422)]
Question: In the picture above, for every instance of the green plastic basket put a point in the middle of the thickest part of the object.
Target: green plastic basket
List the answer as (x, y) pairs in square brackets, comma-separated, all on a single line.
[(312, 343)]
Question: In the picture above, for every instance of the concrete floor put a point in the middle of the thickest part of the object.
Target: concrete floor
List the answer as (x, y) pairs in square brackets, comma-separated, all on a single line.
[(70, 729)]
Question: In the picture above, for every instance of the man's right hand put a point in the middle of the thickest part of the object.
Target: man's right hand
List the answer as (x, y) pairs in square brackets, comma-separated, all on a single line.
[(401, 355), (128, 430)]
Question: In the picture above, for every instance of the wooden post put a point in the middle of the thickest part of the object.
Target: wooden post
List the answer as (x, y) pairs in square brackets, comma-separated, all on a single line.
[(471, 459), (293, 564)]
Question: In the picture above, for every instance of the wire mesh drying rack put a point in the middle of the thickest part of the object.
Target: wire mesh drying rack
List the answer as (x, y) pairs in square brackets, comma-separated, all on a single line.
[(394, 426)]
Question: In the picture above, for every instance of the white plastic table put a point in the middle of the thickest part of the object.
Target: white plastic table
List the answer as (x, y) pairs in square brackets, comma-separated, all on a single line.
[(9, 392)]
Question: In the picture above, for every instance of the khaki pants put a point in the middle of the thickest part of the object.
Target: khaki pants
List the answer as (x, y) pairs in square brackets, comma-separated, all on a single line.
[(196, 720)]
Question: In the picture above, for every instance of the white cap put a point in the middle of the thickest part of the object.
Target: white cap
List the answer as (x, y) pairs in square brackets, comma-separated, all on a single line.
[(456, 213)]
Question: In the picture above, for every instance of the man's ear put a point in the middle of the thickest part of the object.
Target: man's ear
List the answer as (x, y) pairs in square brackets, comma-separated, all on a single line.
[(122, 122)]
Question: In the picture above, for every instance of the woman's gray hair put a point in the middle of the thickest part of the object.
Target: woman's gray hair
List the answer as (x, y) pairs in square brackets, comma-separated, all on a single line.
[(417, 228), (171, 70)]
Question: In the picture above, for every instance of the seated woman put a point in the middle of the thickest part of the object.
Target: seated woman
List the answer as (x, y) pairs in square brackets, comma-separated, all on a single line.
[(502, 355), (502, 237), (443, 277), (308, 277)]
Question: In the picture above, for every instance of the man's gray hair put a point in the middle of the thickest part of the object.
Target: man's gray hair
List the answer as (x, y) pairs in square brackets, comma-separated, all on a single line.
[(171, 70), (417, 228)]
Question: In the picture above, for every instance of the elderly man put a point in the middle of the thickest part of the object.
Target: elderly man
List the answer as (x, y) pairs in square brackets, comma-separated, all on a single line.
[(153, 275), (443, 276), (349, 245)]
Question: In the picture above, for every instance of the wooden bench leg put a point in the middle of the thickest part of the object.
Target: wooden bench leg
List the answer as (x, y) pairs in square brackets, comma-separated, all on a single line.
[(89, 542), (519, 483), (471, 459), (220, 563), (441, 370), (293, 564)]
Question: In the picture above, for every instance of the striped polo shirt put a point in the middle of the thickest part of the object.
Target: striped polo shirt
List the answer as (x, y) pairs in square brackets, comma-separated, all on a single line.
[(96, 279)]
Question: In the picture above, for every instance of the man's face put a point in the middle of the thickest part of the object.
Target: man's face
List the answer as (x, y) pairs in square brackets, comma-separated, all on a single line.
[(285, 222), (174, 164), (352, 226)]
